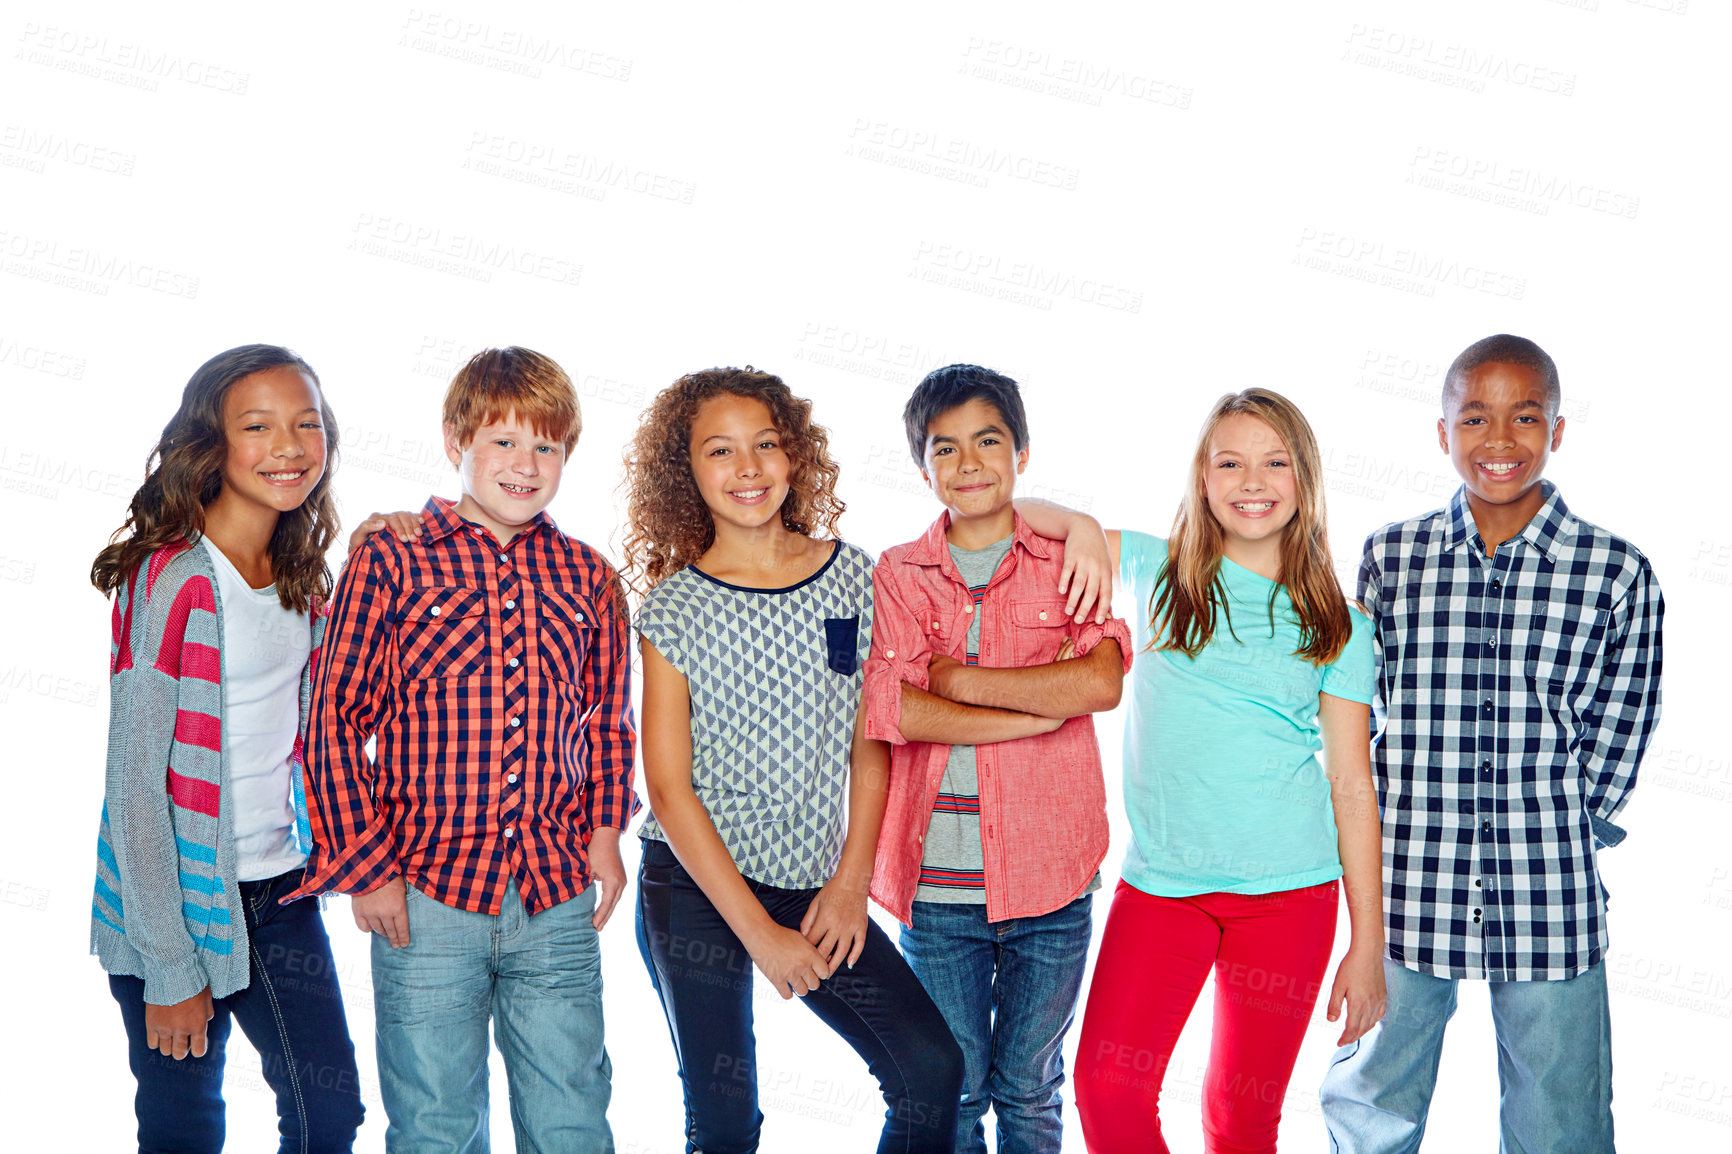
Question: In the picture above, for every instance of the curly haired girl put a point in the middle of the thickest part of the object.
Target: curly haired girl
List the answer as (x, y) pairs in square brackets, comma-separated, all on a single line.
[(755, 624)]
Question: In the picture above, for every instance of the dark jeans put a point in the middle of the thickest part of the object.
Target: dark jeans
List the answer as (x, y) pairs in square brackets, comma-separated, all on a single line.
[(703, 975), (292, 1013)]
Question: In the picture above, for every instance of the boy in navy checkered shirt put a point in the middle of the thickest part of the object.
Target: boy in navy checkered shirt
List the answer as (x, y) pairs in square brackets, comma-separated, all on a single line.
[(1518, 682)]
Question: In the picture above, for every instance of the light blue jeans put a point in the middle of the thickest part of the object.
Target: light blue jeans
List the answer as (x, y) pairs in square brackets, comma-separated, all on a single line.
[(1008, 991), (1554, 1067), (539, 980)]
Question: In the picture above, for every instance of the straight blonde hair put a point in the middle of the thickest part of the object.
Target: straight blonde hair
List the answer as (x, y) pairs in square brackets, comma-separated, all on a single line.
[(1188, 592)]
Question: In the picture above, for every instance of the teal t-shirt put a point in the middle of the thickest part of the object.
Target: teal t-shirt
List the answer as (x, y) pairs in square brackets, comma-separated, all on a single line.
[(1222, 783)]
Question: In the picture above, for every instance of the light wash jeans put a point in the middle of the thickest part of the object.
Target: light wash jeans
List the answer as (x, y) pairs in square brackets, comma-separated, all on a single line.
[(1554, 1066), (1009, 991), (539, 980)]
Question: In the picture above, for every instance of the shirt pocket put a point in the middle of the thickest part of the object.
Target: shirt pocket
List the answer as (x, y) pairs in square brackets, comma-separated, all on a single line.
[(1040, 626), (1562, 659), (442, 632), (565, 630), (842, 644)]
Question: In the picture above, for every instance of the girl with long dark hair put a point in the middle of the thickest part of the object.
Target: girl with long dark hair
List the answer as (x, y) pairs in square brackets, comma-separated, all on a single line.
[(217, 577)]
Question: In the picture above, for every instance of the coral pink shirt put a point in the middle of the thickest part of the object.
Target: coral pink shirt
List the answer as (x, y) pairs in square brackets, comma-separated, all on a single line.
[(1043, 813)]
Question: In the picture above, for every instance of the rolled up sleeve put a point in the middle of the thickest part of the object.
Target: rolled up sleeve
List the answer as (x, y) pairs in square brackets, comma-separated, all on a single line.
[(1092, 635), (899, 655)]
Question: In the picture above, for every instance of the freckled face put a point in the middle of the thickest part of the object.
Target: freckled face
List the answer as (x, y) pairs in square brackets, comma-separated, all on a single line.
[(509, 472)]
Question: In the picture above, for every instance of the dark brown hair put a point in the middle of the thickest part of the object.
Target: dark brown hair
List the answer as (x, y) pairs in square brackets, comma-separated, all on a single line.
[(668, 526), (183, 474)]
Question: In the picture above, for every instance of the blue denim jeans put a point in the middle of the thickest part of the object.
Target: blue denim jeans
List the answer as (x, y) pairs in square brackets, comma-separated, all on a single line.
[(292, 1013), (538, 979), (1554, 1067), (1009, 991), (704, 977)]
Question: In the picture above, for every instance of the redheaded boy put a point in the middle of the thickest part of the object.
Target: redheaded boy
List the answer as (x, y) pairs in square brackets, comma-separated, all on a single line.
[(487, 659)]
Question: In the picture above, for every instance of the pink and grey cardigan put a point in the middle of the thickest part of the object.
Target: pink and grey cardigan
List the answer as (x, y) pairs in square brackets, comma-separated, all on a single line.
[(167, 906)]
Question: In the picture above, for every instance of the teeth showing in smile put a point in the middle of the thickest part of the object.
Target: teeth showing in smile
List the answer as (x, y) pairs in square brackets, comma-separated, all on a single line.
[(515, 488), (284, 476), (1500, 468), (749, 494), (1253, 506)]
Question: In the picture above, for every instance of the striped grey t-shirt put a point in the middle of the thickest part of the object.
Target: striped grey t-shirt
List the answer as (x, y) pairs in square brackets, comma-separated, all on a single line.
[(953, 866), (775, 679)]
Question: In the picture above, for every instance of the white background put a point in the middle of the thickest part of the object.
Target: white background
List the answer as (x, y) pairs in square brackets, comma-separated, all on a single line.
[(1132, 210)]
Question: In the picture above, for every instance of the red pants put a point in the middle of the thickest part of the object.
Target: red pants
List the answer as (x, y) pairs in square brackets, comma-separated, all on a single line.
[(1269, 952)]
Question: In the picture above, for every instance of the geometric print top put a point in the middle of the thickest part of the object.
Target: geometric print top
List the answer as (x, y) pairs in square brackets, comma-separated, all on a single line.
[(1515, 695), (775, 680)]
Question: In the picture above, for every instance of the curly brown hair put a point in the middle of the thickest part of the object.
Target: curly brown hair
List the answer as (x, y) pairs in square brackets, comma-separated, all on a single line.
[(668, 526), (183, 474)]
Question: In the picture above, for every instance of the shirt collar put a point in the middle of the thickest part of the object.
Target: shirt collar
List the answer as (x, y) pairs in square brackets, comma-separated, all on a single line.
[(934, 549), (442, 519), (1545, 531)]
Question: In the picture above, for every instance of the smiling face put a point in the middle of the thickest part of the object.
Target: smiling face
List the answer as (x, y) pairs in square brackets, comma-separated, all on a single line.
[(1499, 434), (509, 471), (275, 437), (1249, 481), (738, 462), (972, 464)]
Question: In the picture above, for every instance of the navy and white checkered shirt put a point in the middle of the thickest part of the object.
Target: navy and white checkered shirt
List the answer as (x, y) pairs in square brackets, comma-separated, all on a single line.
[(1515, 695)]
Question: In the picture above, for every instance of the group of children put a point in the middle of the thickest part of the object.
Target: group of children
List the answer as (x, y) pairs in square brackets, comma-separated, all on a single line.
[(445, 732)]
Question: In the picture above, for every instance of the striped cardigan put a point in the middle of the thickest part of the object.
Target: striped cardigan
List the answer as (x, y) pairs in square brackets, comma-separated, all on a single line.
[(167, 906)]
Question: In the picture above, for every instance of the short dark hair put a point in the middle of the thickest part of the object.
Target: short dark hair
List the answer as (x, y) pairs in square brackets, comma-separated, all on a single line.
[(1508, 350), (952, 386)]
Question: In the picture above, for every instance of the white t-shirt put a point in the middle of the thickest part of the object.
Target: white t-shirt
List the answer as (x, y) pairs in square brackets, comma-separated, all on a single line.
[(265, 648)]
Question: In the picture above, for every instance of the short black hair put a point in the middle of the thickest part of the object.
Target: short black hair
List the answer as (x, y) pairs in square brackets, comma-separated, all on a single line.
[(1508, 350), (952, 386)]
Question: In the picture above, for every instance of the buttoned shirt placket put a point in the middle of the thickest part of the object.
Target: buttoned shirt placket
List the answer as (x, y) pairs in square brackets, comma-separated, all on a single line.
[(508, 594), (1491, 745)]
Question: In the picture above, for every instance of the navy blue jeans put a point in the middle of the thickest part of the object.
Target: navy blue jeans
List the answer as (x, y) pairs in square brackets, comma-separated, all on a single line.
[(292, 1013), (703, 975)]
